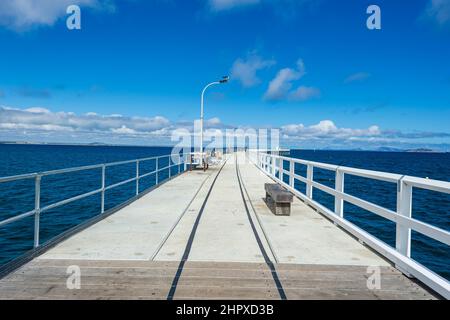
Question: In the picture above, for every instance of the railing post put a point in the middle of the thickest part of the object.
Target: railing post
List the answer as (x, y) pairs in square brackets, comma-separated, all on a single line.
[(137, 177), (37, 210), (281, 169), (170, 167), (404, 205), (274, 165), (103, 189), (291, 173), (338, 200), (157, 170), (309, 177)]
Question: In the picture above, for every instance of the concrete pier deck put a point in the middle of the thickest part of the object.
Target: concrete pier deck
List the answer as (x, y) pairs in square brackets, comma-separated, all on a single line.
[(210, 235)]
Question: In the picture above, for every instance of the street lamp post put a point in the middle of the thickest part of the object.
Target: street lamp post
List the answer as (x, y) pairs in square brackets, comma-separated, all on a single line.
[(223, 80)]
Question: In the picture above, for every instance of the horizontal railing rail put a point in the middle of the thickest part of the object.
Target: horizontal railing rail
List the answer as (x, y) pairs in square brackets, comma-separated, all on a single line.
[(38, 209), (273, 164)]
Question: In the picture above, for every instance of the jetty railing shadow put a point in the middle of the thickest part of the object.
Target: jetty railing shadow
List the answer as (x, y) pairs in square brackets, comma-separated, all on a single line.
[(274, 166)]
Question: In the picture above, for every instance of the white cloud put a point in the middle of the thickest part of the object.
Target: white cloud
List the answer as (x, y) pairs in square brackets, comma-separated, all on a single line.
[(24, 14), (357, 77), (37, 110), (280, 86), (213, 122), (439, 11), (326, 129), (43, 125), (303, 93), (285, 8), (219, 5), (123, 130), (245, 70), (92, 126), (326, 134), (42, 119)]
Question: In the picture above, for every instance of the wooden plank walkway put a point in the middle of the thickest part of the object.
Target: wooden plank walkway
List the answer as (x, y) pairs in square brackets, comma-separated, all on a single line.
[(46, 279), (231, 245)]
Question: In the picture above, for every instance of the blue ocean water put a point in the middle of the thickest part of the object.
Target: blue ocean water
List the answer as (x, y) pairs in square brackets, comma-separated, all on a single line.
[(18, 197)]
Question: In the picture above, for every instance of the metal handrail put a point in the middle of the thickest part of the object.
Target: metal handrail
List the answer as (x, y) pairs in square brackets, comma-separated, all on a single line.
[(402, 217), (38, 177)]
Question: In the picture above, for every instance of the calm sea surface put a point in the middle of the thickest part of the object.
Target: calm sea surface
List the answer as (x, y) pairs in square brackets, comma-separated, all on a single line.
[(18, 197)]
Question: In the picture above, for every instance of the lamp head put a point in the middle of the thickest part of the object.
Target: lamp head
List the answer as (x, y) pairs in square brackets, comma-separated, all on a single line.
[(224, 79)]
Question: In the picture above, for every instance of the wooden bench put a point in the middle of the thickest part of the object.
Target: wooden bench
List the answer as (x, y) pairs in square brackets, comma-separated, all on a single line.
[(278, 199), (198, 159)]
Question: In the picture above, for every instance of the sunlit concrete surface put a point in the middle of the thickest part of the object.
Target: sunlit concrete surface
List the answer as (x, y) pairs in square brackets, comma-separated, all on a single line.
[(305, 236), (224, 232), (136, 231)]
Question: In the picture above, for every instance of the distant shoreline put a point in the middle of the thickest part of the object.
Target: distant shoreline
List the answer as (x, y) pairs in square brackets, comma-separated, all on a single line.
[(94, 144), (99, 144)]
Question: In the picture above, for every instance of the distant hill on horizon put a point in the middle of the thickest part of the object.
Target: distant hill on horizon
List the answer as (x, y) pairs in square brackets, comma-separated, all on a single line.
[(100, 144)]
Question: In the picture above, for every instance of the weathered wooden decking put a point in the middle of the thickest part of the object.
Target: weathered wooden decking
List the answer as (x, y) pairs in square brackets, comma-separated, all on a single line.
[(233, 250), (46, 279)]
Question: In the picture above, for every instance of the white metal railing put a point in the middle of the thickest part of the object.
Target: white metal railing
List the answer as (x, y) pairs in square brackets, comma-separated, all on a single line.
[(402, 217), (38, 177)]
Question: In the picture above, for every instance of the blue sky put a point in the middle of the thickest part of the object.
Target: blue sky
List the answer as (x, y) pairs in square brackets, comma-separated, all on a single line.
[(311, 68)]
